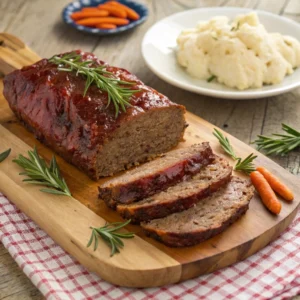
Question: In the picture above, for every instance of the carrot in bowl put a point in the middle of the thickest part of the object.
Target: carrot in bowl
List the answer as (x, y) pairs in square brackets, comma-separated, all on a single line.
[(131, 14), (89, 14), (113, 10), (266, 193), (92, 8), (96, 21), (279, 187), (106, 26)]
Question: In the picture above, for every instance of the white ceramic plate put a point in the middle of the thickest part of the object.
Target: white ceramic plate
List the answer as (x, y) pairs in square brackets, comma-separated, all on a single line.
[(160, 40)]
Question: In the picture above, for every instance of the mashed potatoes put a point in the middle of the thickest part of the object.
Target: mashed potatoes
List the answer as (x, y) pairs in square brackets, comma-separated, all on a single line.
[(241, 54)]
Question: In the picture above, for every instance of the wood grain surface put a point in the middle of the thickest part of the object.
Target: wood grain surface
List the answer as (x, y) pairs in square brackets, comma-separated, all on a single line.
[(47, 35), (144, 262)]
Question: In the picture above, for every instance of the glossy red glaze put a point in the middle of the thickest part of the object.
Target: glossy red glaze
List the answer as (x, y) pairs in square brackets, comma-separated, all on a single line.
[(51, 104), (156, 182), (158, 210)]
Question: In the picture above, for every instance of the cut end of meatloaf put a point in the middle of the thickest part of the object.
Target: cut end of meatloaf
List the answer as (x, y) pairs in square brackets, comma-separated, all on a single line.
[(141, 139), (181, 196), (156, 175), (206, 219)]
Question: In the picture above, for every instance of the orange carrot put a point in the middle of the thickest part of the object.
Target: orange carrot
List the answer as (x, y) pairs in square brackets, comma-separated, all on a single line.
[(89, 14), (92, 8), (266, 193), (279, 187), (131, 14), (96, 21), (113, 10), (106, 26)]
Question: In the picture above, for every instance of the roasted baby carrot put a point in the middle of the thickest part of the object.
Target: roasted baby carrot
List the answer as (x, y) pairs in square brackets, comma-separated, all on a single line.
[(276, 184), (106, 26), (113, 10), (266, 193), (131, 14), (96, 21), (92, 8), (89, 14)]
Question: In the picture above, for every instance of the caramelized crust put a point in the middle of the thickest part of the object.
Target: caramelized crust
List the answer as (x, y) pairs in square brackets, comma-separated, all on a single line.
[(80, 128), (181, 196), (157, 175), (206, 219)]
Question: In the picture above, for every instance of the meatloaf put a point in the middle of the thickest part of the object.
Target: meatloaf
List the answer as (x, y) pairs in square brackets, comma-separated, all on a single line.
[(156, 175), (84, 130), (181, 196), (206, 219)]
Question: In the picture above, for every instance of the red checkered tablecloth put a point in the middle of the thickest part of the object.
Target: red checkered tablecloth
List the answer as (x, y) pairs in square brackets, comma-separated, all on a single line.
[(273, 273)]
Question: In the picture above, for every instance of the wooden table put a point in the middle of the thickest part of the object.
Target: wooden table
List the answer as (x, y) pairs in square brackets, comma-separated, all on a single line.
[(39, 24)]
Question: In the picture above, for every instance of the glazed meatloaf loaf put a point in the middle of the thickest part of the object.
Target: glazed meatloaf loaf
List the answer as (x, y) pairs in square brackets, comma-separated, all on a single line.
[(84, 130), (181, 196), (157, 175), (206, 219)]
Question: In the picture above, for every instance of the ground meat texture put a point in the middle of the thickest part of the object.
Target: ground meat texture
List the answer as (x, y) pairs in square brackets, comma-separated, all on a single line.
[(82, 129), (157, 175), (181, 196), (206, 219)]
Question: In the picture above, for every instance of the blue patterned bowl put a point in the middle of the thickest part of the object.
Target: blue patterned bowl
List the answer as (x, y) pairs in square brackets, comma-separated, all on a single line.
[(141, 9)]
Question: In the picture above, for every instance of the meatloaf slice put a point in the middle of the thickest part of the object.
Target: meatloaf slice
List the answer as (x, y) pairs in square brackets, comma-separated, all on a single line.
[(84, 130), (156, 175), (206, 219), (181, 196)]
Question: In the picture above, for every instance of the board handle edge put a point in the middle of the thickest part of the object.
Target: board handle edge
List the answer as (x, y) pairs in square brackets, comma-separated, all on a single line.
[(14, 53)]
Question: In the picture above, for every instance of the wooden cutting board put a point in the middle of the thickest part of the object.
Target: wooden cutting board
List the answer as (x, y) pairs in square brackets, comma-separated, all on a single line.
[(143, 262)]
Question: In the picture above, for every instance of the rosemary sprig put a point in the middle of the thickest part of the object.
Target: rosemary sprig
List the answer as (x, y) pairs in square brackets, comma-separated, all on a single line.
[(118, 91), (40, 173), (4, 155), (244, 165), (281, 145), (223, 140), (110, 236)]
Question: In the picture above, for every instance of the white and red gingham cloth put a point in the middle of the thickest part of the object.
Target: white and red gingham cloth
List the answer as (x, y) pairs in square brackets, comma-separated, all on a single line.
[(273, 273)]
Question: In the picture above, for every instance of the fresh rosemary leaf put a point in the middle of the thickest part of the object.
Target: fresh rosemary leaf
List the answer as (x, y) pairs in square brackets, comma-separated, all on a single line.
[(224, 143), (279, 144), (211, 78), (290, 130), (4, 155), (110, 236), (40, 174), (98, 75), (244, 165), (54, 192)]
